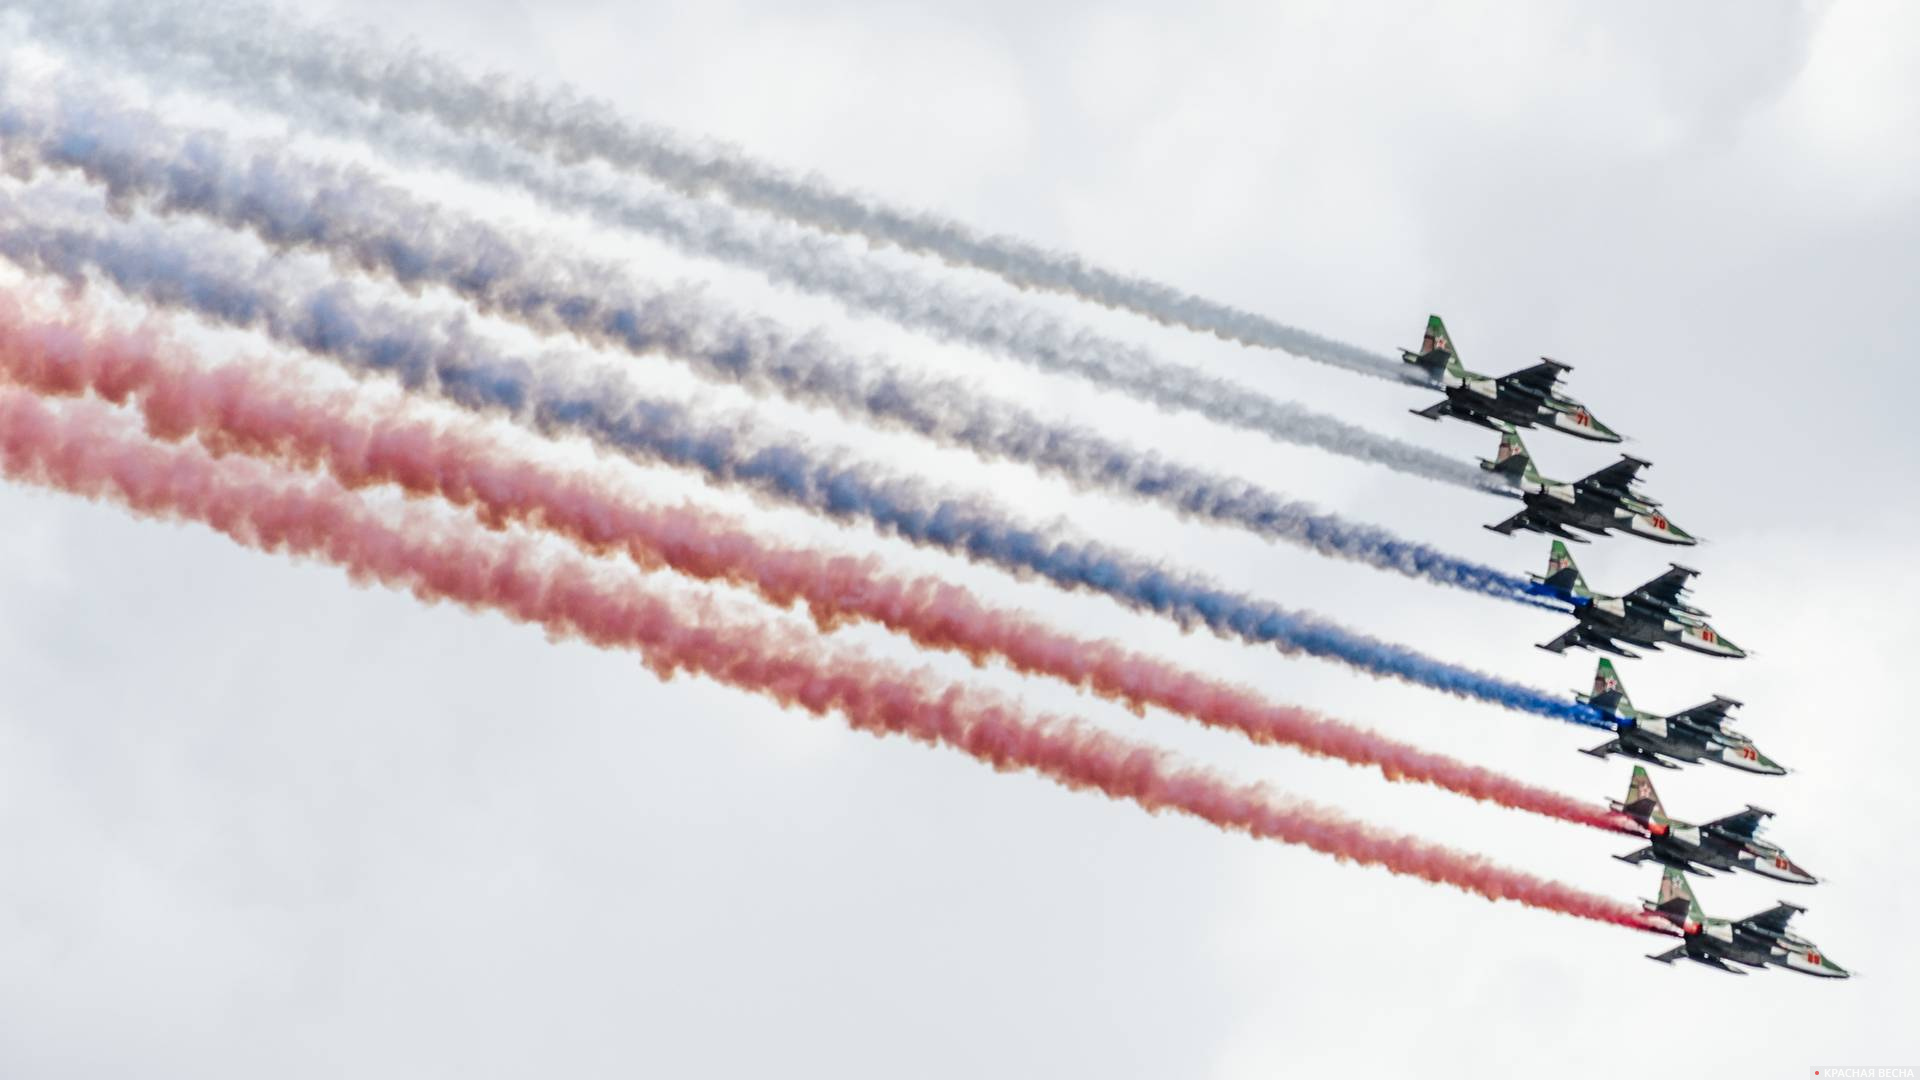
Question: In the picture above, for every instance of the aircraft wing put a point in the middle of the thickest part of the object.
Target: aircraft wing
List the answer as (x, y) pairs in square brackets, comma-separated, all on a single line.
[(1711, 715), (1665, 590), (1538, 380), (1745, 823), (1574, 638), (1713, 961), (1581, 636), (1521, 520), (1773, 921), (1616, 477)]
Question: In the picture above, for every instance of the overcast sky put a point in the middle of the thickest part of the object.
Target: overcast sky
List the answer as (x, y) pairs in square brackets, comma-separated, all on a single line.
[(256, 821)]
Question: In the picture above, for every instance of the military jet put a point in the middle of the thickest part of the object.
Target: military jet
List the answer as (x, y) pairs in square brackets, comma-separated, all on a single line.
[(1696, 735), (1728, 844), (1755, 941), (1523, 398), (1596, 503), (1650, 616)]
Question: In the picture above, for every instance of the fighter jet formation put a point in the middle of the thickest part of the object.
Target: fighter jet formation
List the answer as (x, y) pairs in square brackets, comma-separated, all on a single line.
[(1654, 615)]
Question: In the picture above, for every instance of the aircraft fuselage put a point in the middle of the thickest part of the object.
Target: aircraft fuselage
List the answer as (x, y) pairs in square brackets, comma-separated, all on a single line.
[(1565, 505), (1614, 617), (1661, 741), (1690, 846), (1723, 940), (1484, 401)]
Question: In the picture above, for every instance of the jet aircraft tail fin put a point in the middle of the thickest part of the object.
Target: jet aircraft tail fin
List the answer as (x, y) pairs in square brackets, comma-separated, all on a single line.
[(1674, 891), (1562, 575), (1511, 461), (1437, 356), (1608, 694), (1642, 801)]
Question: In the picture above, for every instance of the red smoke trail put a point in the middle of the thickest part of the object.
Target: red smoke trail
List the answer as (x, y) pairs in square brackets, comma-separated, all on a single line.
[(363, 442), (89, 450)]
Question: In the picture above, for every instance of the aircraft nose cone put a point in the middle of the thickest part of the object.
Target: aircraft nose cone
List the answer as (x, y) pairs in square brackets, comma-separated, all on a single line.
[(1718, 645), (1814, 962), (1791, 871), (1601, 432), (1748, 759), (1584, 424)]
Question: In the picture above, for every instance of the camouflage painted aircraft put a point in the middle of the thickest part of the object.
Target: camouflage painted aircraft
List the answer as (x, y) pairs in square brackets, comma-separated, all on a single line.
[(1696, 735), (1650, 616), (1727, 844), (1755, 941), (1596, 503), (1523, 398)]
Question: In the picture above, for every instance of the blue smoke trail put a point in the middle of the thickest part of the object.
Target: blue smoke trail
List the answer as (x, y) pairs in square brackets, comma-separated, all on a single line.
[(452, 362), (353, 217)]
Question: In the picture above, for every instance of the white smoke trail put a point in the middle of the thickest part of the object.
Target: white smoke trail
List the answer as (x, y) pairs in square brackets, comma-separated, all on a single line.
[(250, 52), (922, 302)]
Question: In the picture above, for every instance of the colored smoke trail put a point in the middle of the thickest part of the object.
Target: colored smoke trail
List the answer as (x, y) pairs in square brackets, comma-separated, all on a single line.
[(245, 51), (363, 442), (823, 265), (87, 450), (363, 222), (447, 360)]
